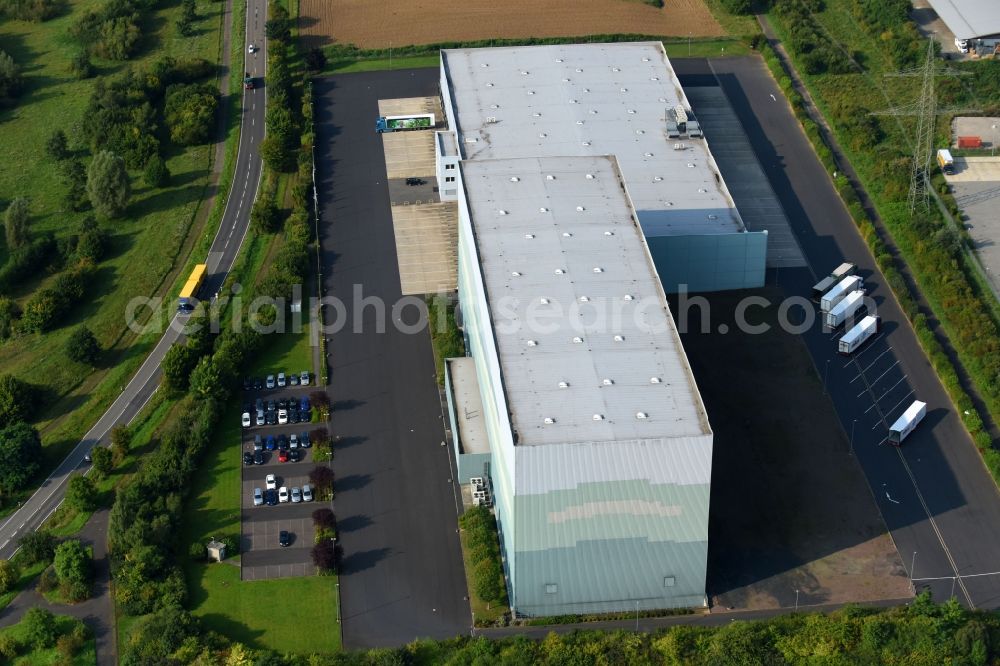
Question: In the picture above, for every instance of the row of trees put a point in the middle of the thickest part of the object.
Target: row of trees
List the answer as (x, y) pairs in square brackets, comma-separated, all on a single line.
[(918, 634), (817, 53), (11, 80)]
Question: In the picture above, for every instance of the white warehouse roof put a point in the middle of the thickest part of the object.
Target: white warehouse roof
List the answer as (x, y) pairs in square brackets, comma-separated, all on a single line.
[(969, 18), (592, 99), (558, 246)]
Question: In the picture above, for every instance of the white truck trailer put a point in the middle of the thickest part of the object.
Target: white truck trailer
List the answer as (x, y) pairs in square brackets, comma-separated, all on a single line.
[(906, 423), (844, 309), (858, 335), (840, 292), (843, 270)]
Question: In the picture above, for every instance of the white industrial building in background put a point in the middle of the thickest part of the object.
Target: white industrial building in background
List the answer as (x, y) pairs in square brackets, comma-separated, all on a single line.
[(975, 23), (622, 99), (600, 449)]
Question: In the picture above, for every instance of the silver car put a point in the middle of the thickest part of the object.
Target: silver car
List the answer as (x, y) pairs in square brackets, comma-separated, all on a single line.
[(304, 378), (281, 379), (296, 495), (307, 493), (270, 382), (258, 497)]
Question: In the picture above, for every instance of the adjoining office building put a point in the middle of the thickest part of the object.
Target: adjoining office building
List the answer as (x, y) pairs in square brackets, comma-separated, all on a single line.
[(578, 403), (623, 99)]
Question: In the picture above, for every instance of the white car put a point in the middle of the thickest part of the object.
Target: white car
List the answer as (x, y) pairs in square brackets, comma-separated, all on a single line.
[(293, 441), (246, 419), (304, 378), (296, 495), (282, 495), (258, 497), (307, 493), (270, 382), (252, 48), (261, 419), (282, 382), (270, 482), (282, 416)]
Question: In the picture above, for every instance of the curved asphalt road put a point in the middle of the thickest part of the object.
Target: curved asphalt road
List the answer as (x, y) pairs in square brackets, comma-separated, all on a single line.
[(225, 248)]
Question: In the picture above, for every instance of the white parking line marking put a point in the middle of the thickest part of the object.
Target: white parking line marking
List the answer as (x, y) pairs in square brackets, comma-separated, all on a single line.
[(886, 372)]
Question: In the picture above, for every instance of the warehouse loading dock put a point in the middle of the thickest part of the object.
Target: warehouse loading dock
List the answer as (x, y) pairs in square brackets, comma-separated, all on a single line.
[(424, 226)]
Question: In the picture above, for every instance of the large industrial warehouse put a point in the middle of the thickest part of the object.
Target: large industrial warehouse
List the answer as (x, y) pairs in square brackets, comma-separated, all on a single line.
[(605, 99), (577, 404)]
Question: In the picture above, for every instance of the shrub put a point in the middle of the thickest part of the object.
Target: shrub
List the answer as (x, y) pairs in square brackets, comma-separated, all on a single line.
[(108, 184), (80, 66), (81, 493), (9, 575), (121, 442), (44, 310), (197, 552), (156, 173), (39, 627), (21, 451), (56, 146), (68, 646), (10, 311), (48, 580), (9, 647), (38, 546), (15, 222), (190, 112), (265, 216), (102, 460), (11, 81)]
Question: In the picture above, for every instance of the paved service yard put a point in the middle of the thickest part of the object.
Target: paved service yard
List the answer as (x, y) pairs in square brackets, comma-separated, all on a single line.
[(262, 556), (976, 186)]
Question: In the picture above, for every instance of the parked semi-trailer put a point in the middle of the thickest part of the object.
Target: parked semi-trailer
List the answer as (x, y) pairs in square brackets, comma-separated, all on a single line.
[(839, 292), (838, 274), (404, 123), (844, 309), (906, 423), (858, 335)]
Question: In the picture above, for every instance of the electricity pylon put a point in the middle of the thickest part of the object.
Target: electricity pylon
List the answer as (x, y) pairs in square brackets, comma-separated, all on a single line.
[(926, 110)]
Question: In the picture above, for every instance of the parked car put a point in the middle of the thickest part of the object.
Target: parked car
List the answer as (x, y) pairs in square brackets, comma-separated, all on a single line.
[(282, 495), (245, 420), (258, 383), (293, 380), (247, 383), (270, 482), (270, 382), (307, 493), (282, 442), (272, 418), (296, 495), (270, 497), (304, 378), (295, 455), (271, 405), (282, 416), (261, 418), (258, 497), (258, 457), (284, 539), (283, 455), (259, 404), (304, 440), (282, 381), (304, 404), (247, 458), (293, 441), (270, 444), (294, 416), (258, 443)]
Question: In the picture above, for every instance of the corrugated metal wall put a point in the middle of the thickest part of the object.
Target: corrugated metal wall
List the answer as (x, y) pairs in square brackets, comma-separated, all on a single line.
[(715, 262)]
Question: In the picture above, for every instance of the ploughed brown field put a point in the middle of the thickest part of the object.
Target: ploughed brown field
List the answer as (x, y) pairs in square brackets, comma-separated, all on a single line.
[(370, 24)]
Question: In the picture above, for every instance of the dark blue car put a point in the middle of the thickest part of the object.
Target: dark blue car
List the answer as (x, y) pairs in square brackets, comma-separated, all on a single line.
[(270, 444), (304, 405)]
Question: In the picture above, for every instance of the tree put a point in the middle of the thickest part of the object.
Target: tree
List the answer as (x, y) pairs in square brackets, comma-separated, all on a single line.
[(102, 460), (489, 581), (81, 493), (324, 519), (316, 59), (20, 449), (15, 400), (207, 380), (177, 365), (74, 176), (108, 184), (321, 477), (15, 222), (39, 628), (11, 81), (82, 347), (265, 216), (185, 23), (121, 442), (57, 146), (72, 563), (324, 556), (37, 546), (156, 173), (91, 245), (276, 155), (190, 112), (9, 575)]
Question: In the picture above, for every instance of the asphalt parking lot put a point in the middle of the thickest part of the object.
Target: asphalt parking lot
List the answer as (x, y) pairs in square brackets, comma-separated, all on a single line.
[(262, 556)]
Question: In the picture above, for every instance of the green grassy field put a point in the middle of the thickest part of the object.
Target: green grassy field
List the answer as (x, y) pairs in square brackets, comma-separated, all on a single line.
[(44, 657), (146, 248)]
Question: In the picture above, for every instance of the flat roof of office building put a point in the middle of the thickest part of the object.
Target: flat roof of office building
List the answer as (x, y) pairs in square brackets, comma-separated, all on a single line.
[(587, 345), (592, 99)]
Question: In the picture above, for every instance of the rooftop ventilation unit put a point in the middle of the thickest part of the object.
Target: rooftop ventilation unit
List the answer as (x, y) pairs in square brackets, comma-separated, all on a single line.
[(490, 120)]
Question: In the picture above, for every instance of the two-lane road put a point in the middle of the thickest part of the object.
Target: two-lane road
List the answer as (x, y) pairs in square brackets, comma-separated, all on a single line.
[(222, 255)]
